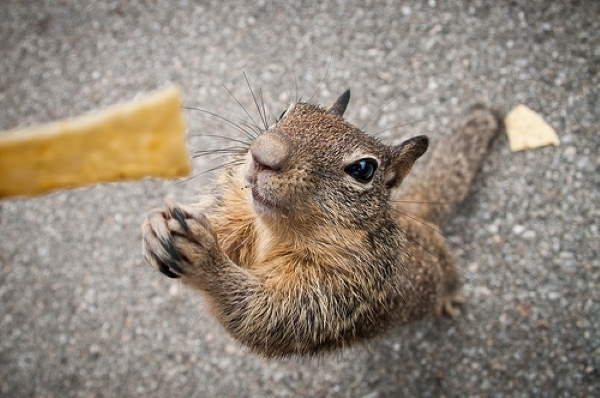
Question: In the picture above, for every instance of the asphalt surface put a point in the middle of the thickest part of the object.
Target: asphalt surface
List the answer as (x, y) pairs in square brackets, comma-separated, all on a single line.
[(82, 315)]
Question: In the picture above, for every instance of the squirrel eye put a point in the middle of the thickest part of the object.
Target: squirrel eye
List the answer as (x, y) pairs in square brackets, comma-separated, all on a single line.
[(362, 170)]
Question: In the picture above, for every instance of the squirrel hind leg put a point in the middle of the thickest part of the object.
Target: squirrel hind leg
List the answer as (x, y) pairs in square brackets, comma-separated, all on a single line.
[(450, 290), (447, 304), (448, 175)]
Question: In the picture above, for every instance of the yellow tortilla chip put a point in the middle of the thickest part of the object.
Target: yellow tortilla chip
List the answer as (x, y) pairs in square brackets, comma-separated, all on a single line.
[(527, 129), (142, 138)]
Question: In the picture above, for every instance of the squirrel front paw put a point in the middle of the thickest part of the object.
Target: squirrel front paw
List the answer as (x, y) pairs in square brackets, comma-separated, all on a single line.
[(180, 242)]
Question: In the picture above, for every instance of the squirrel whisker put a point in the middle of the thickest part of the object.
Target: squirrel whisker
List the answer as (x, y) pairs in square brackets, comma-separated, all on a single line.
[(226, 120), (262, 116), (254, 125)]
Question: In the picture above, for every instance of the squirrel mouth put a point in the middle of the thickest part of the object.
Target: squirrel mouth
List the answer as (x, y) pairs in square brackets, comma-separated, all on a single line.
[(262, 200)]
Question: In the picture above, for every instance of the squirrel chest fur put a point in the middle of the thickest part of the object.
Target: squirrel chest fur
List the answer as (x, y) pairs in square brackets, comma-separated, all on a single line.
[(311, 242)]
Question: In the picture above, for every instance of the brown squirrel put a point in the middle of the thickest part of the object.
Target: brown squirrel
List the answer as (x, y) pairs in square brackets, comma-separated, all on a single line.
[(310, 243)]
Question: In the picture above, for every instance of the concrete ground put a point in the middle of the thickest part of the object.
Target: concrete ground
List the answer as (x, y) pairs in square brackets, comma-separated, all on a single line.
[(82, 315)]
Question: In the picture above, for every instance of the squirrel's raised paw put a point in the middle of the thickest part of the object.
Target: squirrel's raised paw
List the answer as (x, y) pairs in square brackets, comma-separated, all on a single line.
[(447, 305), (179, 241)]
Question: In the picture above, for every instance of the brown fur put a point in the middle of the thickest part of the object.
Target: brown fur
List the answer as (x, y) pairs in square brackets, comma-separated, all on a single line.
[(333, 261)]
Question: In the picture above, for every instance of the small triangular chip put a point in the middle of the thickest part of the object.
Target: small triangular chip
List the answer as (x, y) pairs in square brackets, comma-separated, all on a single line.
[(527, 129)]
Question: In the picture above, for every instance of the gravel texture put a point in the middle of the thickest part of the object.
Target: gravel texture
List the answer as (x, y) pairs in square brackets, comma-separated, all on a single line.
[(82, 315)]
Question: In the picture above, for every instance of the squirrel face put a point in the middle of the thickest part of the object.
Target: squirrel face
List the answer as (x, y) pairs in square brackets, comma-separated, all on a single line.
[(313, 167)]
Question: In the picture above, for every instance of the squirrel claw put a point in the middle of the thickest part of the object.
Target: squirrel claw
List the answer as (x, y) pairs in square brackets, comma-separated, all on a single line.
[(158, 246), (167, 271), (447, 305), (178, 241)]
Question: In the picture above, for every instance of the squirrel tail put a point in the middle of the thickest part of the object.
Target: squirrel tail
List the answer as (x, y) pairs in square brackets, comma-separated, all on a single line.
[(433, 194)]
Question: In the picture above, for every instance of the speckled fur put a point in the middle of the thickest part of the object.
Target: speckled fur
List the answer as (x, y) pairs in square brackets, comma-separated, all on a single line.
[(337, 262)]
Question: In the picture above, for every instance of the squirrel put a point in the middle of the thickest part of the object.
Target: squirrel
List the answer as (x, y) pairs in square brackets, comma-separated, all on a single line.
[(311, 243)]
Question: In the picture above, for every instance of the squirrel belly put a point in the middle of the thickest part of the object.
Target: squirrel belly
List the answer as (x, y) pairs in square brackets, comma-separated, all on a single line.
[(315, 290), (304, 247)]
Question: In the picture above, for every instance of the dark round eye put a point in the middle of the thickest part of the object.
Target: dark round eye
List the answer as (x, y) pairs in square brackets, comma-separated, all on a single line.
[(362, 170)]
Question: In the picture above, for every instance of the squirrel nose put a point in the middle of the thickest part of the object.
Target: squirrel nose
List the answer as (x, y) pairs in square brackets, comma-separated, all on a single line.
[(270, 151)]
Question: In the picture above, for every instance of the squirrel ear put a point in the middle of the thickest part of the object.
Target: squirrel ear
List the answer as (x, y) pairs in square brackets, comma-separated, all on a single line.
[(340, 105), (404, 156)]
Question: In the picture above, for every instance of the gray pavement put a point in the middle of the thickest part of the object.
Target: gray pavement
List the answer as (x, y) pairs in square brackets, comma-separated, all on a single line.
[(80, 313)]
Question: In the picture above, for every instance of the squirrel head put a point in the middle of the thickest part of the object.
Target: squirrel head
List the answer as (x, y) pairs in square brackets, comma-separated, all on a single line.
[(312, 167)]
